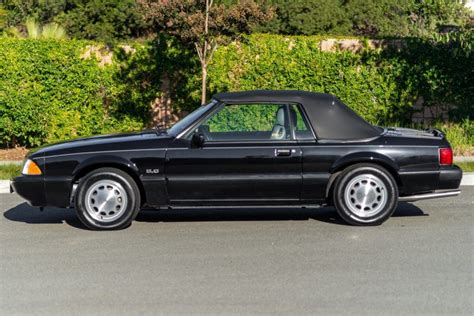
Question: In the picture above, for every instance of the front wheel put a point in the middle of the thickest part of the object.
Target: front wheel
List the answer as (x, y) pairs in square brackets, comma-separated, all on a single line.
[(365, 194), (107, 198)]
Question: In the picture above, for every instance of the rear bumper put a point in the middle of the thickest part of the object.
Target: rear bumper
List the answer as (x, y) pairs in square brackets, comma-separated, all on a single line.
[(415, 182), (432, 195), (450, 178), (431, 185)]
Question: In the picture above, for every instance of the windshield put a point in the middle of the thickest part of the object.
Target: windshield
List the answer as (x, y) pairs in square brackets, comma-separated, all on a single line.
[(181, 125)]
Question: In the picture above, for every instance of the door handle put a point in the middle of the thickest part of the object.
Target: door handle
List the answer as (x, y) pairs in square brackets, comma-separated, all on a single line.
[(283, 152)]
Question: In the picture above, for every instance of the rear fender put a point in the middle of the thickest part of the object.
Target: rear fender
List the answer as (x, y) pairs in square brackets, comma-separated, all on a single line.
[(367, 157)]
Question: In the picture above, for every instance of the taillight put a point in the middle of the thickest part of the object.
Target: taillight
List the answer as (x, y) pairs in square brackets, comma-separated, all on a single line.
[(445, 156)]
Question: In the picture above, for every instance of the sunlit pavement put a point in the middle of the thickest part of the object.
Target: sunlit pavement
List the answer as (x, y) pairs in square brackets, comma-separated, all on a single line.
[(286, 261)]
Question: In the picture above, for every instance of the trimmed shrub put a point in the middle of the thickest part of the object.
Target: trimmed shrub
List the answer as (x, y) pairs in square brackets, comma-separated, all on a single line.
[(381, 85), (49, 93)]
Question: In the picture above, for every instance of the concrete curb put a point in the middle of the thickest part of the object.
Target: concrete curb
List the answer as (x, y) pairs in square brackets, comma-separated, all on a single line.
[(463, 158), (467, 179), (4, 186), (11, 162)]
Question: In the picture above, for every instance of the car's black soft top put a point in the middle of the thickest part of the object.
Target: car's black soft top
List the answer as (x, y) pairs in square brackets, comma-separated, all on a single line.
[(330, 118)]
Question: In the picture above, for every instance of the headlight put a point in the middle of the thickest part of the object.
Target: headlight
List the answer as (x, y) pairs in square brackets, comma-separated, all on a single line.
[(31, 168)]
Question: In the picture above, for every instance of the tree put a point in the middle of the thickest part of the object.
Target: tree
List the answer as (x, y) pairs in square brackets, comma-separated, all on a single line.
[(428, 17), (42, 11), (203, 24), (379, 17), (308, 17), (3, 19), (102, 20), (366, 17)]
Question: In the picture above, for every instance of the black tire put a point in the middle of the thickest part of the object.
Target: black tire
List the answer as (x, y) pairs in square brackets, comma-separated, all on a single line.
[(382, 194), (127, 189)]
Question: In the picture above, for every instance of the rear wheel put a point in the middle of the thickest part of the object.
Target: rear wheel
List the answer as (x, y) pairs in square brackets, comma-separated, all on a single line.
[(107, 198), (365, 194)]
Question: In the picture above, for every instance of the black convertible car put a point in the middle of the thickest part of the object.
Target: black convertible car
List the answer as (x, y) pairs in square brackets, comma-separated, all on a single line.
[(256, 148)]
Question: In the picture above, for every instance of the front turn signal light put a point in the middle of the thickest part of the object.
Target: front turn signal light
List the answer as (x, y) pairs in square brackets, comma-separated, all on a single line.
[(31, 168)]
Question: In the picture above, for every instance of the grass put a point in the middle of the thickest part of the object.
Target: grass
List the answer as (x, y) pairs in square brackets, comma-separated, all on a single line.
[(466, 166), (10, 171), (460, 136)]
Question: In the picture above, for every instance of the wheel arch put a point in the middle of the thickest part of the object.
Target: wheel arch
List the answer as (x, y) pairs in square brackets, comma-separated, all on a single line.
[(97, 162), (362, 157)]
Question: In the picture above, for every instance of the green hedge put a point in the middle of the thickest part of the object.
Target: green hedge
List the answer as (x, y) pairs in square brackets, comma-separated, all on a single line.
[(49, 93), (381, 85)]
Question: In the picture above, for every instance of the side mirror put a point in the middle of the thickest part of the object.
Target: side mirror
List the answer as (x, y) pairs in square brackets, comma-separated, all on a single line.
[(197, 141)]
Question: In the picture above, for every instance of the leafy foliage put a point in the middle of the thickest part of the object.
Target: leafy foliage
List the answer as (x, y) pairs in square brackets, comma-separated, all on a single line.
[(379, 17), (307, 17), (386, 18), (43, 11), (203, 24), (48, 31), (103, 20), (112, 20), (48, 93), (244, 118), (186, 19), (428, 16), (460, 136), (382, 86)]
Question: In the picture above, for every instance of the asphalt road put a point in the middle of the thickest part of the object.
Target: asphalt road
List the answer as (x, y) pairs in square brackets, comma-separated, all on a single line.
[(282, 261)]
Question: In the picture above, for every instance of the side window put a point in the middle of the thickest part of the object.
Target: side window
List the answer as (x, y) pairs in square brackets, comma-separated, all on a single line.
[(247, 122), (302, 129)]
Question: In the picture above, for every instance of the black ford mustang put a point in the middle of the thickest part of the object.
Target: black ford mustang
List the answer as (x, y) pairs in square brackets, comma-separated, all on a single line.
[(257, 148)]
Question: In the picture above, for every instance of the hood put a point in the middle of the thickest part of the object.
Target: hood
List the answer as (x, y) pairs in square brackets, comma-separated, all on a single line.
[(126, 141)]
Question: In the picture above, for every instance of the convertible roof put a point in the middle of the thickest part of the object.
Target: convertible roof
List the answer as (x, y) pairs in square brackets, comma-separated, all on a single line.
[(330, 118)]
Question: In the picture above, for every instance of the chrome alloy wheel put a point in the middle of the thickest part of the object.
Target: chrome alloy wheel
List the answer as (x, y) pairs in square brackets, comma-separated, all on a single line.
[(106, 200), (365, 195)]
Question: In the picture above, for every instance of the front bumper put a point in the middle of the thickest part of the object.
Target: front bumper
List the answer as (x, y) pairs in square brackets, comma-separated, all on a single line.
[(43, 191), (31, 188)]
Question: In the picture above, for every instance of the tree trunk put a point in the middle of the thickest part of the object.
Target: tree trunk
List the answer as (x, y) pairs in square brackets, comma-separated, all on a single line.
[(204, 83), (162, 112)]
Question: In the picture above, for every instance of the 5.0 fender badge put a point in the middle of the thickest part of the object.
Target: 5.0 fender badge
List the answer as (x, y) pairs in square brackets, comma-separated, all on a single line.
[(152, 171)]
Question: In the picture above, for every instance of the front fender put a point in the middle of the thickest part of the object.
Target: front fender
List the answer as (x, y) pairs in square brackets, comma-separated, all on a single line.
[(104, 161)]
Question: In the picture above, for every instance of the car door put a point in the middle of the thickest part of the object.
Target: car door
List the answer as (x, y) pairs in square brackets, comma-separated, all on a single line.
[(249, 157)]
